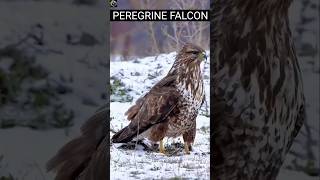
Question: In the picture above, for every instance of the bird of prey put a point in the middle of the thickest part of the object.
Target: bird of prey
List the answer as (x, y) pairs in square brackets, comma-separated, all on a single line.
[(257, 92), (171, 106), (84, 157)]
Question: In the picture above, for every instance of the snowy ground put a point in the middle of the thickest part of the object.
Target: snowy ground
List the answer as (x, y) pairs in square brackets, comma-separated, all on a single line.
[(24, 152), (139, 76)]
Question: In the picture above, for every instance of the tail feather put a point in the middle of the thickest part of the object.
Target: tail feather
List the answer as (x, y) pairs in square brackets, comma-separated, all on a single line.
[(97, 167), (129, 132), (81, 156), (124, 135)]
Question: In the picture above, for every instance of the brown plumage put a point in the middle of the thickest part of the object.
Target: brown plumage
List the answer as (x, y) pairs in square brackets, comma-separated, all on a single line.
[(258, 102), (85, 157), (171, 106)]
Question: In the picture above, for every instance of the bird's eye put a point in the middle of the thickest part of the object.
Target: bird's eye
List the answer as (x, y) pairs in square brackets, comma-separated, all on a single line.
[(194, 52)]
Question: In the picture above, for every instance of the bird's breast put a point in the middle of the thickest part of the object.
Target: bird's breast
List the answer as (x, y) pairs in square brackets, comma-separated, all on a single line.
[(187, 109), (192, 93)]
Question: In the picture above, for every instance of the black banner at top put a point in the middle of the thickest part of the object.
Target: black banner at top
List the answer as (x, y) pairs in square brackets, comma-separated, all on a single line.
[(159, 15)]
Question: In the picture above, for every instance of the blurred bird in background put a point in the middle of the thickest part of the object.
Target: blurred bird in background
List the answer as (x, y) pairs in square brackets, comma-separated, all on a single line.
[(258, 101)]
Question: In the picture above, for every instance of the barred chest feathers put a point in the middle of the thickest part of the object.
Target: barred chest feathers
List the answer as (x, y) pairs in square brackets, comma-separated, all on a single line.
[(191, 87)]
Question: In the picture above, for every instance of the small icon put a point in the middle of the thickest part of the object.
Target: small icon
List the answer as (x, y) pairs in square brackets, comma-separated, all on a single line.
[(113, 3)]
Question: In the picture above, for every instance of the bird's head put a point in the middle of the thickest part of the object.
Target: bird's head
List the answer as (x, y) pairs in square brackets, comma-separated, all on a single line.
[(191, 53), (191, 58)]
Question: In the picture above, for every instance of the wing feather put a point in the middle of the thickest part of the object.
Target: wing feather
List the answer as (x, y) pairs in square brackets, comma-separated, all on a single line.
[(155, 108), (133, 110)]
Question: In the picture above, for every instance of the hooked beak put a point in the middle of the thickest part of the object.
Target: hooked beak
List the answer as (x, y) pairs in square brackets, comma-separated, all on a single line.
[(204, 56)]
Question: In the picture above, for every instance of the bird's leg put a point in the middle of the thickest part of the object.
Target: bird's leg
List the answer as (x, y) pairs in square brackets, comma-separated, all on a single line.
[(162, 150), (186, 147)]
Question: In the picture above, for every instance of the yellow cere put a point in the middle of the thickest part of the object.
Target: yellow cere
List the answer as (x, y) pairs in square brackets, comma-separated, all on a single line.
[(203, 56)]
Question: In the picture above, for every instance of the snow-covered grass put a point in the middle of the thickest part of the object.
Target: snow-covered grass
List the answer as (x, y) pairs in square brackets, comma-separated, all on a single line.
[(138, 76)]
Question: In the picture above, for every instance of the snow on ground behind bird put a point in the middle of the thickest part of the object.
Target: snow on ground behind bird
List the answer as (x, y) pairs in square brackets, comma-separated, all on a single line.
[(136, 77)]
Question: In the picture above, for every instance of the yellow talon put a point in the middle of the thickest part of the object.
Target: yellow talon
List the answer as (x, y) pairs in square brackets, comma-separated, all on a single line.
[(186, 148), (162, 150)]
